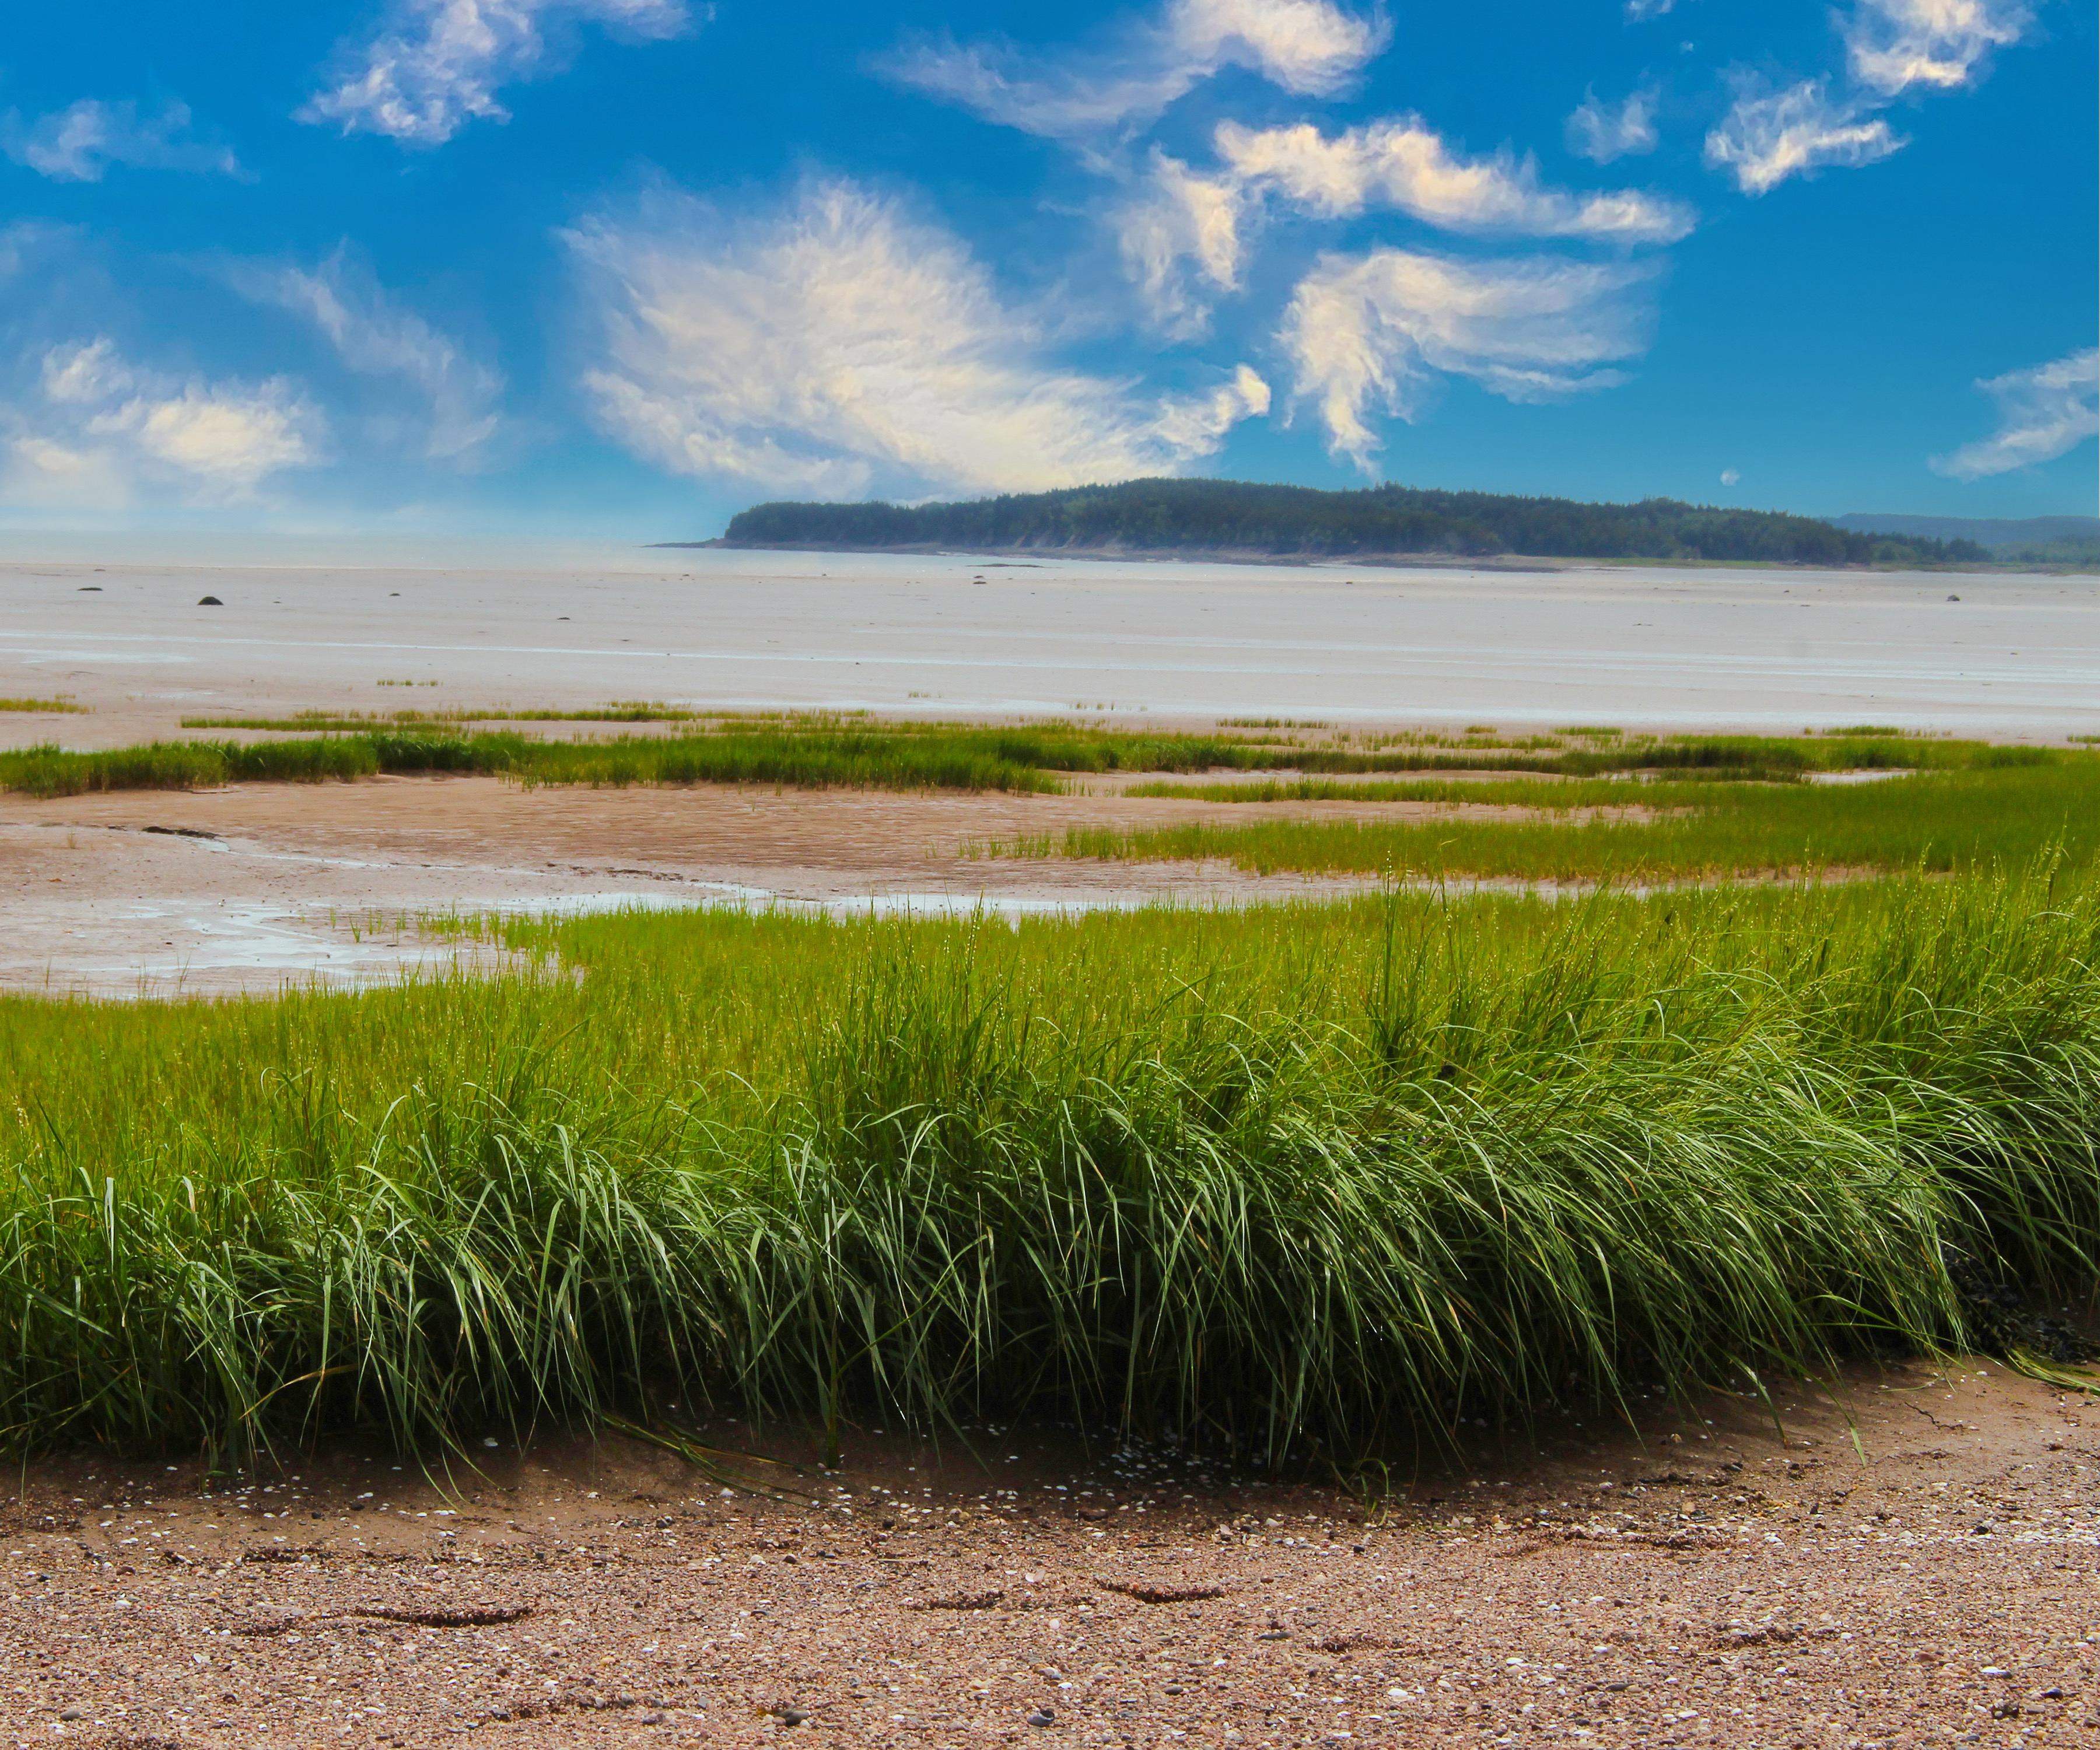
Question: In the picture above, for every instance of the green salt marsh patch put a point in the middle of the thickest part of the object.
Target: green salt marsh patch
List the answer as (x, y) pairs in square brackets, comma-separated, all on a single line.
[(1298, 1178)]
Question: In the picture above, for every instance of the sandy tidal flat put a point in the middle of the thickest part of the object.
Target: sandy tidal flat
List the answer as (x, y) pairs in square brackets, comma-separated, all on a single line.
[(1640, 647)]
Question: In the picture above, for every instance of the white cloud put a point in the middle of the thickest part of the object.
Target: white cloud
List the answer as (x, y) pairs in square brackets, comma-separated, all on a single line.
[(1637, 10), (1018, 88), (1768, 136), (1602, 132), (1311, 47), (841, 344), (1307, 47), (1379, 330), (85, 374), (1179, 217), (1893, 45), (442, 62), (1196, 426), (107, 432), (1731, 476), (1404, 163), (375, 336), (17, 242), (79, 143), (39, 471), (2042, 412), (1382, 329), (1184, 235)]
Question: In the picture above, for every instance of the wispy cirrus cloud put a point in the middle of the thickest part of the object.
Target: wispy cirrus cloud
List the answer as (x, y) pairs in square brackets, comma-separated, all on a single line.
[(1770, 135), (80, 142), (1185, 234), (1892, 47), (1311, 47), (1364, 333), (1604, 132), (376, 336), (1893, 44), (19, 241), (841, 344), (439, 63), (1181, 227), (1380, 331), (1404, 164), (2042, 412), (102, 432)]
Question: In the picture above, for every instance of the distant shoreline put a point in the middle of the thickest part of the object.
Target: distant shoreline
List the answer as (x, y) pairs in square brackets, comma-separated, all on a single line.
[(1243, 521), (1213, 555), (1545, 563)]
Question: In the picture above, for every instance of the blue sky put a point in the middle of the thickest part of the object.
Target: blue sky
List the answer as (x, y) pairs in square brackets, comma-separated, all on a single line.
[(622, 266)]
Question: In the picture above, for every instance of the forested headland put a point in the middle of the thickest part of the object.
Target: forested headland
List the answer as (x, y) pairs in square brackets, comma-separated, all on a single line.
[(1243, 517)]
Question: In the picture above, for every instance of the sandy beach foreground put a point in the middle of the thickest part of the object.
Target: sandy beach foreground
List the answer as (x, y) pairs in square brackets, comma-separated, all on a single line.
[(1705, 1581)]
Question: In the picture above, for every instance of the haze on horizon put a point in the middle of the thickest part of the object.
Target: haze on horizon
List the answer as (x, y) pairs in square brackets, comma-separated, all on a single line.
[(621, 267)]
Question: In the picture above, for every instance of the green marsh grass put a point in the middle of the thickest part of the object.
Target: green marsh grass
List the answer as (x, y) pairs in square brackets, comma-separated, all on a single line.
[(1302, 1178), (803, 758), (316, 722), (1554, 794), (1705, 828), (822, 748)]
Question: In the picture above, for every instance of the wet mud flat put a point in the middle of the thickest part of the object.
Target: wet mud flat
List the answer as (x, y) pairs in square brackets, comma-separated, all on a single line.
[(1705, 1580), (254, 885)]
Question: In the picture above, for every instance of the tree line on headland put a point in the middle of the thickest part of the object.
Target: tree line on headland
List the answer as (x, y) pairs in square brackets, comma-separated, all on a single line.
[(1241, 517)]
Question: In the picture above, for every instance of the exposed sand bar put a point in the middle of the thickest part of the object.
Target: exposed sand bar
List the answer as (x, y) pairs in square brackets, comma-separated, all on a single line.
[(322, 625)]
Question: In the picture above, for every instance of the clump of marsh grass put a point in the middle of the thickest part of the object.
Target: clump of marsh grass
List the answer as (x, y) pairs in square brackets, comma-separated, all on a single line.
[(1324, 1174), (1687, 826), (818, 748), (803, 757)]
